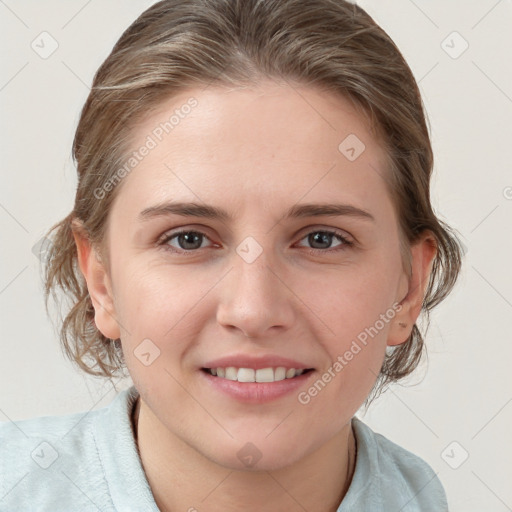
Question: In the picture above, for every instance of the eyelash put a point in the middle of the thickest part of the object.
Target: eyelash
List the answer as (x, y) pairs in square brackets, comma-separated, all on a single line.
[(163, 243)]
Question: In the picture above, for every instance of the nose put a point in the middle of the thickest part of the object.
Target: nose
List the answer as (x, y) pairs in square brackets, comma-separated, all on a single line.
[(255, 298)]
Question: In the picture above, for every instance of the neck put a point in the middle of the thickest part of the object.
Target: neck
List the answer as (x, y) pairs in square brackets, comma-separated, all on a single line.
[(183, 479)]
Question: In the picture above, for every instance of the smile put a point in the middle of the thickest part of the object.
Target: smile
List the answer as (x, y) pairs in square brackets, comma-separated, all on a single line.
[(260, 375)]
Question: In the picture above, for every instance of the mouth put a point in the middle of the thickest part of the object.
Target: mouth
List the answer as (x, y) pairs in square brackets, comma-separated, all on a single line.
[(270, 374)]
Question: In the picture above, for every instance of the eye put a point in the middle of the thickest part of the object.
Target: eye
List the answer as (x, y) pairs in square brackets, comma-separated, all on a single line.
[(186, 241), (322, 239)]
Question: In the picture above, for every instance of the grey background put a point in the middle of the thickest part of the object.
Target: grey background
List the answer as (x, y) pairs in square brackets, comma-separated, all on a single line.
[(463, 395)]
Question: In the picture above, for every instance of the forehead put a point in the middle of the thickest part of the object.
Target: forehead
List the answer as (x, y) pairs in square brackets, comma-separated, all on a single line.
[(267, 143)]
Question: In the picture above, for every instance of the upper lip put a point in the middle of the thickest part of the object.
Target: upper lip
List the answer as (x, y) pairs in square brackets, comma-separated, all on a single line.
[(245, 361)]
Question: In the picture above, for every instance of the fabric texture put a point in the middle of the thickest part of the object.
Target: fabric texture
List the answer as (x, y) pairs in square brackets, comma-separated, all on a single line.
[(89, 461)]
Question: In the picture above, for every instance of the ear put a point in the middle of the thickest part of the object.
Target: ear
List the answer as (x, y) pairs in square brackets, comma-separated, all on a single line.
[(98, 283), (415, 285)]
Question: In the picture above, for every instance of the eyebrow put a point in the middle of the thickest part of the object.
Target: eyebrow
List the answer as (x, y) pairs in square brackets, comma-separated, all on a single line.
[(213, 212)]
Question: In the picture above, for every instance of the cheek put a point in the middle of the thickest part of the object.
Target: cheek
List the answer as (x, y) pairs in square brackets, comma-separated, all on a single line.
[(162, 304), (159, 312), (358, 317), (354, 309), (351, 300)]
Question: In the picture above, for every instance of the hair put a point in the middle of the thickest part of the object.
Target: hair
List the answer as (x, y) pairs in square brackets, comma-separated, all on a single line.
[(332, 45)]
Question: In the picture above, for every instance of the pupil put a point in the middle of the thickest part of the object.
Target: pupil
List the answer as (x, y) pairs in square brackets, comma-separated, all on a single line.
[(320, 237), (189, 238)]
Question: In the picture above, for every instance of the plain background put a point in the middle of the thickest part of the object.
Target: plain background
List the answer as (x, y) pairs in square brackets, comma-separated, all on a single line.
[(456, 406)]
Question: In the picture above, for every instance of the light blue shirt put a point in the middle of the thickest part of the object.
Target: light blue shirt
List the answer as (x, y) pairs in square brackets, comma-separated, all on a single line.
[(89, 462)]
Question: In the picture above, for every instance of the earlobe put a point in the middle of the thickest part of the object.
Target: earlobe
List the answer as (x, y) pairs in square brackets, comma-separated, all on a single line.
[(423, 253), (98, 284)]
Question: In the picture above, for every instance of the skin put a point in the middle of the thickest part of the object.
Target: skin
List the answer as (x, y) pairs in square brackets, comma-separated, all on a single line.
[(254, 152)]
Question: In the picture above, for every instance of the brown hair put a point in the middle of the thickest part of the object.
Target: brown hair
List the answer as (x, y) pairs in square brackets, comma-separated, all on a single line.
[(176, 44)]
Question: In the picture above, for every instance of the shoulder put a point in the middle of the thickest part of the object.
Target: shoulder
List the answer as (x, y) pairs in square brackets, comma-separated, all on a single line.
[(40, 442), (53, 461), (390, 476)]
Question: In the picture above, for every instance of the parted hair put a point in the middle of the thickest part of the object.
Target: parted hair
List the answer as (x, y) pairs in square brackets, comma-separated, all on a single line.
[(333, 45)]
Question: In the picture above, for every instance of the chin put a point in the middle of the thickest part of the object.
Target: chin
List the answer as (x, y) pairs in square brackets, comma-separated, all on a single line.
[(256, 456)]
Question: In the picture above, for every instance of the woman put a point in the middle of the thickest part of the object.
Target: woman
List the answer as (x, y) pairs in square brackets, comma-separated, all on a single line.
[(253, 240)]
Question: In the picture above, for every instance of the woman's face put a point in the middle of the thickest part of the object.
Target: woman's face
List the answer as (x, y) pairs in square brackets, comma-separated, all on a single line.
[(266, 280)]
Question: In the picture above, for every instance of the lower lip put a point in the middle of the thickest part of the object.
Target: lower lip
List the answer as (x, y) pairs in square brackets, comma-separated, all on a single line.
[(256, 392)]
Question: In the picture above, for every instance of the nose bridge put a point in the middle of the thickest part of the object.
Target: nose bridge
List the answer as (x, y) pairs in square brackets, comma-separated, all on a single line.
[(257, 273), (254, 298), (254, 276)]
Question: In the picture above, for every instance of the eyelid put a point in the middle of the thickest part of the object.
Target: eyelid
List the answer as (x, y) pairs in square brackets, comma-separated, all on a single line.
[(171, 233), (326, 229)]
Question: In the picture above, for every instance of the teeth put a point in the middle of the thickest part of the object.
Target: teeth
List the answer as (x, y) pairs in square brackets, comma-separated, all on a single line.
[(251, 375), (261, 375), (280, 373), (231, 373), (247, 375), (290, 373)]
